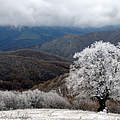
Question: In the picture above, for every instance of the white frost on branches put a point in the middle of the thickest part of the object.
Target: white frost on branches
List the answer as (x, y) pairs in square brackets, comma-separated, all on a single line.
[(96, 71), (31, 99)]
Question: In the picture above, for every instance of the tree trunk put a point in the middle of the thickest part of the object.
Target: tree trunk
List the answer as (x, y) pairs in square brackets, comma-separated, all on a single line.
[(102, 100), (102, 104)]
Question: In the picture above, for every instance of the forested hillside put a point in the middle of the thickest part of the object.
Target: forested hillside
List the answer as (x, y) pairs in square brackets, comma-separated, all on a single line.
[(12, 38), (23, 69), (67, 45)]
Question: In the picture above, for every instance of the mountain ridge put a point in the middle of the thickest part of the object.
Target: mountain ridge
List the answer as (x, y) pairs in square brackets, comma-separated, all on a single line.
[(12, 38), (67, 45)]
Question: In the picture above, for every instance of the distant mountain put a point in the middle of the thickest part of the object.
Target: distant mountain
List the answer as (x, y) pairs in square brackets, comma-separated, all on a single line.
[(67, 45), (15, 38), (23, 69)]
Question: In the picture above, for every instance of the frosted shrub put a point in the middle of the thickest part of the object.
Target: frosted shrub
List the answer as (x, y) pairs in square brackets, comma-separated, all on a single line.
[(35, 98), (31, 99), (9, 99), (53, 100), (2, 105), (22, 101)]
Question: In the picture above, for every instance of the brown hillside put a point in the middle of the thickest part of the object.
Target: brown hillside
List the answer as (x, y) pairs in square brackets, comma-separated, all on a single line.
[(25, 68)]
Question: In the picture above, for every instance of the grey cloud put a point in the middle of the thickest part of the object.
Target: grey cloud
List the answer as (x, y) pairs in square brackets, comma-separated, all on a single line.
[(82, 13)]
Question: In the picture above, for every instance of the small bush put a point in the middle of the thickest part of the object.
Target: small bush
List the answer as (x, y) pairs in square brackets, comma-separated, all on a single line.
[(31, 99), (91, 104), (85, 104), (53, 100), (113, 106)]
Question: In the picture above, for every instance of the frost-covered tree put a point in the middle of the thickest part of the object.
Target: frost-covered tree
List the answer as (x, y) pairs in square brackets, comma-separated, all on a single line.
[(96, 72)]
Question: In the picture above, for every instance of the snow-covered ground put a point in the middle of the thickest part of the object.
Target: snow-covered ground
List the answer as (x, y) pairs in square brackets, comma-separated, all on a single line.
[(53, 114)]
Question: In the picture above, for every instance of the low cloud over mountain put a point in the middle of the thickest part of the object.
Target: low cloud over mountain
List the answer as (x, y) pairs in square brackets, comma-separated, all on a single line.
[(83, 13)]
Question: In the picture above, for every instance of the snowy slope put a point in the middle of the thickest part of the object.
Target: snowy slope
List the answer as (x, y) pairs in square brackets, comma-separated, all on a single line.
[(53, 114)]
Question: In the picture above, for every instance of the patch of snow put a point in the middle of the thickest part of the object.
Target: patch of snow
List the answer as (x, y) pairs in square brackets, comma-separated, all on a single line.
[(56, 114)]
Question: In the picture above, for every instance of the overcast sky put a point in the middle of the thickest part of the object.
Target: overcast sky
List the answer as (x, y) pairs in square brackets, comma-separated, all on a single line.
[(83, 13)]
